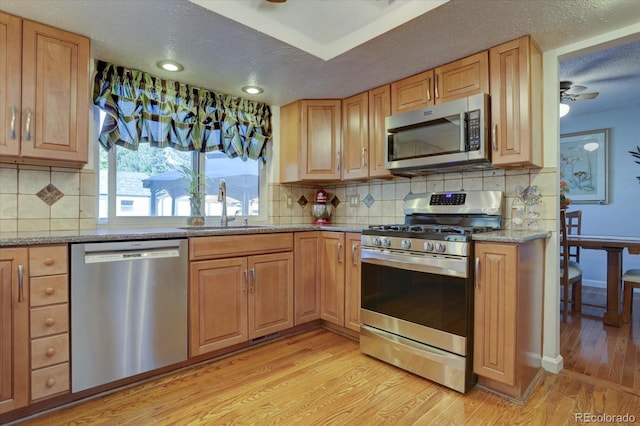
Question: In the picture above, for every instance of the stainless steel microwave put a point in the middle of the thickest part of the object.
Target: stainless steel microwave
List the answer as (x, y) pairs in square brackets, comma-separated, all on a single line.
[(449, 136)]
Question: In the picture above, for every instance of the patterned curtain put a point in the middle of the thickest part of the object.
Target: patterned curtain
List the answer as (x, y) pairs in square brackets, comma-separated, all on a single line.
[(164, 113)]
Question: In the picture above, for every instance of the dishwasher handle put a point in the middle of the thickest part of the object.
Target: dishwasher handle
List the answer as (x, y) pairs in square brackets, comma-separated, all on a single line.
[(128, 251)]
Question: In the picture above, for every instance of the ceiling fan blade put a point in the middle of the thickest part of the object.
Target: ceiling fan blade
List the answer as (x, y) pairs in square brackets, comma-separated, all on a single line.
[(584, 96), (574, 90)]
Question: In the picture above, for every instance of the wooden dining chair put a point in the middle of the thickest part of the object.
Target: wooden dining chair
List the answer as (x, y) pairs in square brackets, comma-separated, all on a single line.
[(574, 227), (570, 273), (630, 280)]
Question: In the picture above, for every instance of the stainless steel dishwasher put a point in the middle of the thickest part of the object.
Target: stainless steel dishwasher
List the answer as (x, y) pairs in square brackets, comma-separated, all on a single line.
[(128, 309)]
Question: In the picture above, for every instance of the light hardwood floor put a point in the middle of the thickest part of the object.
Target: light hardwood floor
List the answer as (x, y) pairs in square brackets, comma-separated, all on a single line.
[(602, 351), (321, 378)]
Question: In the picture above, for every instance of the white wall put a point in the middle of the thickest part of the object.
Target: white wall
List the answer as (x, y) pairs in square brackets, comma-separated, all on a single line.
[(620, 215)]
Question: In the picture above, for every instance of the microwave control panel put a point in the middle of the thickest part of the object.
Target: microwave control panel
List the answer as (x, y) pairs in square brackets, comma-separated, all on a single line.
[(473, 129)]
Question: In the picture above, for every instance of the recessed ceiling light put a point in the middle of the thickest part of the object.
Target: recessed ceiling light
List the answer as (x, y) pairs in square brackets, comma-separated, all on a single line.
[(170, 66), (252, 90)]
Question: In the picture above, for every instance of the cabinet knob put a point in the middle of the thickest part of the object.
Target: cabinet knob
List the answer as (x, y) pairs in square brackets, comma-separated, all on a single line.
[(48, 261), (50, 352), (50, 382), (49, 291), (49, 322)]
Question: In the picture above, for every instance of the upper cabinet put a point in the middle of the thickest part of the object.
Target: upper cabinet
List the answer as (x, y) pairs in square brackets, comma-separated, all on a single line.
[(412, 92), (516, 103), (44, 93), (364, 134), (464, 77), (310, 140)]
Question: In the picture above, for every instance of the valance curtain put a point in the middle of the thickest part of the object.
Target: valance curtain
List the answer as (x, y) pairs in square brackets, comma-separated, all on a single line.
[(164, 113)]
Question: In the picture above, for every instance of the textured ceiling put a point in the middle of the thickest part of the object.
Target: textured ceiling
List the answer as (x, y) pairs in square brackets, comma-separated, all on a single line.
[(221, 54)]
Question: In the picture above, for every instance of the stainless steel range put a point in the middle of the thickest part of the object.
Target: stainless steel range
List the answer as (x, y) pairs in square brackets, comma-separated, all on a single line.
[(417, 285)]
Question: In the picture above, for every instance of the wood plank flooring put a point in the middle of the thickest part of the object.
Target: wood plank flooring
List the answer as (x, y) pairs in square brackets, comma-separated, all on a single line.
[(602, 351), (321, 378)]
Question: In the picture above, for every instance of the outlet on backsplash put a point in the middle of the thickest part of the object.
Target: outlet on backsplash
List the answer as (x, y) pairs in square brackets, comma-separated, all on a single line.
[(289, 201), (354, 200)]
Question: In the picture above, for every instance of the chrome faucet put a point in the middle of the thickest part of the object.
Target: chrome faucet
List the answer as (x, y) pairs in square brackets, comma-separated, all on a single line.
[(222, 196)]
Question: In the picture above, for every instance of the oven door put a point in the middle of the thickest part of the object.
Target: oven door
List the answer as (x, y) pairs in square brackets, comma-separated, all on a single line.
[(426, 298)]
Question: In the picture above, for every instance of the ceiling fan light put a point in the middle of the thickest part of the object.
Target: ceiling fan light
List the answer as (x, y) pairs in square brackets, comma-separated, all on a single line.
[(564, 109)]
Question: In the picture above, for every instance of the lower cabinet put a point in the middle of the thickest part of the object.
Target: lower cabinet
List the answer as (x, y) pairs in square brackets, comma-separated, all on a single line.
[(14, 329), (508, 316), (328, 278), (235, 299)]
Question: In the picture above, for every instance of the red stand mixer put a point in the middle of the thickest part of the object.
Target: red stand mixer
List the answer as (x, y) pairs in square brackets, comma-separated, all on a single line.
[(321, 208)]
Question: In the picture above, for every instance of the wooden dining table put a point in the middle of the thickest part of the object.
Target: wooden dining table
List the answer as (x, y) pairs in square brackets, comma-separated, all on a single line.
[(614, 245)]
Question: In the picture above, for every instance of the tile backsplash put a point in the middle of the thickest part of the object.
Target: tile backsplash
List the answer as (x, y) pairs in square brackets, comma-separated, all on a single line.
[(35, 198), (382, 201)]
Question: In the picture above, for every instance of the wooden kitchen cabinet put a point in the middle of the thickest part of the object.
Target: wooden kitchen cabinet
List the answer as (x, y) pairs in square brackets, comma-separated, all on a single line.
[(307, 247), (49, 302), (355, 137), (352, 282), (45, 106), (233, 299), (379, 110), (464, 77), (508, 295), (516, 104), (412, 92), (14, 329), (310, 140), (364, 134), (332, 267)]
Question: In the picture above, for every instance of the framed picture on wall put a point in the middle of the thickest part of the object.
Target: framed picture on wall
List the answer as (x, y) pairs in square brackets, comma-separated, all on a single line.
[(583, 165)]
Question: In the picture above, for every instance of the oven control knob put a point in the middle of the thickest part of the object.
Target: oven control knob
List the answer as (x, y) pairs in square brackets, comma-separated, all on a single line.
[(428, 246), (386, 242), (440, 248), (375, 241), (405, 244)]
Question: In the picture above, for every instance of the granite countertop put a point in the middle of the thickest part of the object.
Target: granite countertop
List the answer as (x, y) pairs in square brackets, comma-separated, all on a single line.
[(511, 236), (9, 239)]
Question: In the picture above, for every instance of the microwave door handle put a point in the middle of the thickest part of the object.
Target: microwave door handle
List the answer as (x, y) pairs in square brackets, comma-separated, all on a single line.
[(463, 132)]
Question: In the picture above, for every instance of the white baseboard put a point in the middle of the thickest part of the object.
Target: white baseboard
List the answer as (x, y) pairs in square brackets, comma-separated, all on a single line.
[(553, 365), (594, 283)]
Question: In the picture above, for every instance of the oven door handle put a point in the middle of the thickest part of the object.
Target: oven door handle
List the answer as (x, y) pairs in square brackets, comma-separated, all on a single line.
[(451, 266)]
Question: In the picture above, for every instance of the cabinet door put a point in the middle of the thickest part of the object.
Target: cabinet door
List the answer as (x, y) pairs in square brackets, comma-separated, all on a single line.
[(55, 93), (332, 267), (494, 354), (355, 137), (14, 330), (412, 92), (465, 77), (516, 104), (10, 75), (270, 293), (307, 276), (352, 283), (320, 139), (217, 304), (379, 110)]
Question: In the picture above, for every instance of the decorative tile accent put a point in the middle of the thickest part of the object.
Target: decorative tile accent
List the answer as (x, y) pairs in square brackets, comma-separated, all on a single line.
[(50, 194), (302, 201), (369, 200), (335, 201)]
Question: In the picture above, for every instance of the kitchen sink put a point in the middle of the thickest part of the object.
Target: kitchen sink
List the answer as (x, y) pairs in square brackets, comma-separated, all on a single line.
[(212, 227)]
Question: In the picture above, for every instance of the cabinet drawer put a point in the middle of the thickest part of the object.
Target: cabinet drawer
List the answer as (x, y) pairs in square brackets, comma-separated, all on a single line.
[(49, 320), (238, 245), (49, 351), (49, 260), (49, 381), (49, 290)]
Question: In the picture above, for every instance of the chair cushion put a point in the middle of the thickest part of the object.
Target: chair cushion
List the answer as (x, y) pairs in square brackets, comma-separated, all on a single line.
[(632, 275), (574, 270)]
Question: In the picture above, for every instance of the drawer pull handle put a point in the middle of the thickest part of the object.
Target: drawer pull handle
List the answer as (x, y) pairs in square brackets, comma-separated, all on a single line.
[(50, 352), (49, 322), (49, 291), (50, 382), (48, 261)]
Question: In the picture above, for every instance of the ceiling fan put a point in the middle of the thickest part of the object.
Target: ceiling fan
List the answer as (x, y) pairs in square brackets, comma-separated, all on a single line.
[(571, 92)]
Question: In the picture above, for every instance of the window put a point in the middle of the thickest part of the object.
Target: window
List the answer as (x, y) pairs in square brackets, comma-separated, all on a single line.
[(149, 183)]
